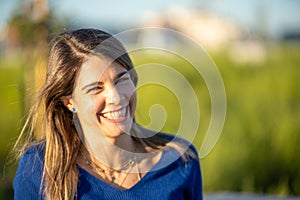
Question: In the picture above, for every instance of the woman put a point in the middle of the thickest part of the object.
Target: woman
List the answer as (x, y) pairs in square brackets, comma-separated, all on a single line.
[(90, 146)]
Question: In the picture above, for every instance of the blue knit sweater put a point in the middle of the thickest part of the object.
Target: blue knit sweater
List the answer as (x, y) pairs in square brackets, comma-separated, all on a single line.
[(169, 179)]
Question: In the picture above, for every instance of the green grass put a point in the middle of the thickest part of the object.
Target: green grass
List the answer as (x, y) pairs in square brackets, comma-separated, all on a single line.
[(258, 149), (11, 95)]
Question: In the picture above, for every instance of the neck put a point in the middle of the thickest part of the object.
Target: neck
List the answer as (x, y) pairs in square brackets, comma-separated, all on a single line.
[(112, 152)]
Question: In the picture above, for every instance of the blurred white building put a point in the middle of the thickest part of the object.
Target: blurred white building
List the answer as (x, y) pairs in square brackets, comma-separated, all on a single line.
[(212, 32), (209, 30)]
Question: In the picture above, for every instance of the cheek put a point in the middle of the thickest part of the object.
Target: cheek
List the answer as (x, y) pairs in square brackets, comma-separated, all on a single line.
[(99, 103), (132, 98), (129, 92), (132, 103), (83, 103)]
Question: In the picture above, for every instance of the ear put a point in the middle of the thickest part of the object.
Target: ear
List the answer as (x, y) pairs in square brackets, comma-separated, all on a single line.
[(68, 102)]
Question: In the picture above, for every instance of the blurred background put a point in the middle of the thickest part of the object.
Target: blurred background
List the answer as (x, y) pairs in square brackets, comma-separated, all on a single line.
[(254, 43)]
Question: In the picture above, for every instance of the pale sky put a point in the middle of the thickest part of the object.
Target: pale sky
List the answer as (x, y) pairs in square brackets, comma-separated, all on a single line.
[(278, 14)]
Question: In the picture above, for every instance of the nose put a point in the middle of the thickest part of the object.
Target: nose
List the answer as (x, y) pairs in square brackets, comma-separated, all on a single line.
[(113, 96)]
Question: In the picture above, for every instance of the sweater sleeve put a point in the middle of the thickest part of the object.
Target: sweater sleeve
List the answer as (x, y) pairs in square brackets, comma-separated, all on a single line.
[(195, 178), (196, 189), (27, 182), (191, 170)]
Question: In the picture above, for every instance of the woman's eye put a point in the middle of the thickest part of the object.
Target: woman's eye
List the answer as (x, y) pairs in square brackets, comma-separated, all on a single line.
[(123, 79), (95, 89)]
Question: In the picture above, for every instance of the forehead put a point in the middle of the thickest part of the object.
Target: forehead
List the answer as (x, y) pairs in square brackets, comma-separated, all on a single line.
[(97, 68)]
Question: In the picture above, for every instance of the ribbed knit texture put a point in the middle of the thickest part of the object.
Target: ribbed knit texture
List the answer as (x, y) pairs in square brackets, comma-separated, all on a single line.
[(169, 179)]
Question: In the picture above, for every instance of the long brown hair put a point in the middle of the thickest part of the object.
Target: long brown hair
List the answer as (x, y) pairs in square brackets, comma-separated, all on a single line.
[(67, 53)]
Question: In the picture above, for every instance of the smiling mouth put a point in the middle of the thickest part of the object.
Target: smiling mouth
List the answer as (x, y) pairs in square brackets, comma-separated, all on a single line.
[(115, 116)]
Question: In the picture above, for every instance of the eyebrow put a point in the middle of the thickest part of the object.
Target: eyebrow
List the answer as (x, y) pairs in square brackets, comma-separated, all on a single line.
[(101, 83)]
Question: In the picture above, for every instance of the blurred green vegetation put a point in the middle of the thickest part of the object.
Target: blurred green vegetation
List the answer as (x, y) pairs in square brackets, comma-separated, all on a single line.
[(12, 106), (258, 150)]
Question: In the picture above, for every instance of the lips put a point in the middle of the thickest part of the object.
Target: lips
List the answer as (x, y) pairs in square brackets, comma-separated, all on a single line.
[(115, 116)]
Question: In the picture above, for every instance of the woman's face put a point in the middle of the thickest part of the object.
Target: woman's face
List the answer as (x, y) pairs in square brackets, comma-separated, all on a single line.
[(104, 97)]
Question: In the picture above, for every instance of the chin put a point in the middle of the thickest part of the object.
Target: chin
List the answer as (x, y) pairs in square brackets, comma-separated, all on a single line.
[(121, 128)]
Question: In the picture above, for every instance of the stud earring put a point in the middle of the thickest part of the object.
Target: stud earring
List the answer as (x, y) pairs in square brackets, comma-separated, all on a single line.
[(73, 110)]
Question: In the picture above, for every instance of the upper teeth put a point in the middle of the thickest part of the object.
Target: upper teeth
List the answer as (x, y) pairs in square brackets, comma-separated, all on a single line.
[(115, 114)]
